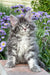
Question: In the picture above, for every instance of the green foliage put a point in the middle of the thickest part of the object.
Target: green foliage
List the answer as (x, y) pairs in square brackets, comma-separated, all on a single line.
[(4, 9), (43, 5), (44, 43), (34, 5)]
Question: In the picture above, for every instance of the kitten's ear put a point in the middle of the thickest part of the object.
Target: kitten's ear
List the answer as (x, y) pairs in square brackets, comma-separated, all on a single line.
[(28, 15), (13, 20)]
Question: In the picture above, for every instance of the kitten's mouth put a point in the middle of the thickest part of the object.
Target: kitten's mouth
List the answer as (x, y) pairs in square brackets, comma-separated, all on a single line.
[(24, 29)]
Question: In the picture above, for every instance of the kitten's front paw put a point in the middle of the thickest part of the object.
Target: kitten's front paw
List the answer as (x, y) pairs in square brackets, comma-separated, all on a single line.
[(9, 65), (36, 69)]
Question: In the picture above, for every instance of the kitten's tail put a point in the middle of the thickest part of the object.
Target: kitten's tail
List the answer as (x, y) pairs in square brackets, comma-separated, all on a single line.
[(41, 64)]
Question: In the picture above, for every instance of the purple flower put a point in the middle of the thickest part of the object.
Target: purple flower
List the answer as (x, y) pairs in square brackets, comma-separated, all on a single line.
[(8, 19), (37, 15), (1, 48), (24, 10), (4, 18), (7, 16), (17, 6), (33, 17), (2, 23), (45, 13), (36, 18), (21, 15), (3, 43), (3, 13), (43, 17), (7, 24), (40, 19), (12, 7), (21, 6), (47, 27), (0, 13), (0, 39), (46, 33), (44, 23), (16, 10), (33, 13), (41, 12), (47, 16), (28, 8), (2, 32), (3, 27), (3, 37), (1, 20), (48, 22)]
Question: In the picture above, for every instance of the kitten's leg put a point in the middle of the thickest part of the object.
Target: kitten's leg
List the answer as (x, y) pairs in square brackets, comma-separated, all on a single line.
[(12, 60), (32, 62)]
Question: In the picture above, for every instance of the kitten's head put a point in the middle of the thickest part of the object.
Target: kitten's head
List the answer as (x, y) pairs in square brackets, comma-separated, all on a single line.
[(21, 24)]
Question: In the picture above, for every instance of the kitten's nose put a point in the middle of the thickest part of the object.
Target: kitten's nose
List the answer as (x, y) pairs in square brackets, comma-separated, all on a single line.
[(24, 28)]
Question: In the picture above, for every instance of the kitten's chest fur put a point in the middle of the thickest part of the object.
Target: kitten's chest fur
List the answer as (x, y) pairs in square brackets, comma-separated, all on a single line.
[(22, 45)]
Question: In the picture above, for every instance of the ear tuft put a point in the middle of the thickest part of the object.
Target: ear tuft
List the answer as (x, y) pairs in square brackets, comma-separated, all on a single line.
[(28, 15), (13, 20)]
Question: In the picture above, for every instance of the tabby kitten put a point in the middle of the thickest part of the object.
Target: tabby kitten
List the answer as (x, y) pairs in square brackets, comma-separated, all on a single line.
[(21, 45)]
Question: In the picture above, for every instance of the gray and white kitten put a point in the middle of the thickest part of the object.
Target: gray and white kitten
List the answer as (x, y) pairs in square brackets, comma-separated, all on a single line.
[(21, 45)]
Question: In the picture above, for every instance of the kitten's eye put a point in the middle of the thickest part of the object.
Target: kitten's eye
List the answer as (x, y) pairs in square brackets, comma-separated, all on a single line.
[(16, 29), (27, 25), (20, 27)]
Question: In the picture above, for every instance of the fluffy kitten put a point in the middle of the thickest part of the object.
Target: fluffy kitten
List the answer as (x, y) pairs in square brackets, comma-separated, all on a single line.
[(21, 45)]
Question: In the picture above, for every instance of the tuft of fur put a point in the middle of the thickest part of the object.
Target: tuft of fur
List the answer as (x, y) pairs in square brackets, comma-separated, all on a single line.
[(21, 45)]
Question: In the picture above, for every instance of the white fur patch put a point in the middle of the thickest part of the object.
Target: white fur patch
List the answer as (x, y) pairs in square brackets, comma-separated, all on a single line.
[(10, 58), (31, 62), (23, 46), (14, 59), (14, 52), (33, 65)]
